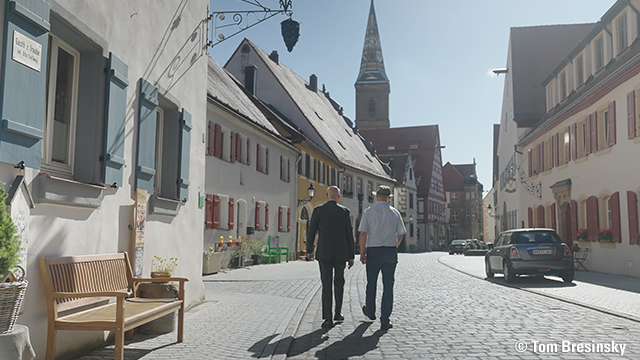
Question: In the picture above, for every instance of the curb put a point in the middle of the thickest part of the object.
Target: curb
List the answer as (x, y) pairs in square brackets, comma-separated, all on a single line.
[(567, 300)]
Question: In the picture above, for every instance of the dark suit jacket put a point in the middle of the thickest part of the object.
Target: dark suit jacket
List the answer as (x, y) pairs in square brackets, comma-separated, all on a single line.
[(332, 222)]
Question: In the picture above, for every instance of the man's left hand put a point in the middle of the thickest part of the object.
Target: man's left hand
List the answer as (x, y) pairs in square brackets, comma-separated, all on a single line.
[(310, 256), (350, 264)]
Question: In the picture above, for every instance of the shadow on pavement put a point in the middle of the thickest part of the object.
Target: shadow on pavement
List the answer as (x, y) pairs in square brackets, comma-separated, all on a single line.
[(528, 282), (620, 282), (352, 345), (298, 345)]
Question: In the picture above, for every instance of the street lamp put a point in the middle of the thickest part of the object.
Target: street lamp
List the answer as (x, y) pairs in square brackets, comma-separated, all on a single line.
[(311, 191), (490, 212)]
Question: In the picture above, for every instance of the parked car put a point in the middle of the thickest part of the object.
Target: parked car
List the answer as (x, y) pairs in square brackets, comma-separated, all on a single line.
[(457, 246), (533, 251)]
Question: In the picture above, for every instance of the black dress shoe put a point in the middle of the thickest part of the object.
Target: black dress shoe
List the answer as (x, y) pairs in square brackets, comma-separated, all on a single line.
[(386, 326), (327, 324), (338, 318), (364, 311)]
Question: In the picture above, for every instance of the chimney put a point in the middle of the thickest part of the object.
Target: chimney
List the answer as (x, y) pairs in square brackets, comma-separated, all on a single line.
[(274, 56), (250, 78), (313, 83)]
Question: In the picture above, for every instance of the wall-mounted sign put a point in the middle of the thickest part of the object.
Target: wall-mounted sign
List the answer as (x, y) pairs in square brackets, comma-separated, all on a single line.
[(26, 51)]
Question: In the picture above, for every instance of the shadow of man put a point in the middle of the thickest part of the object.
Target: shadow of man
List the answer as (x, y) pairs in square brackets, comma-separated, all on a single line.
[(296, 346), (352, 345)]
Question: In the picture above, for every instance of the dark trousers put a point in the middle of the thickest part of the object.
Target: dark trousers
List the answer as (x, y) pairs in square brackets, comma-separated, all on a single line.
[(381, 259), (328, 278)]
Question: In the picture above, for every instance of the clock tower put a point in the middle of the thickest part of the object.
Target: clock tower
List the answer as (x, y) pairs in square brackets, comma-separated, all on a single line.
[(372, 85)]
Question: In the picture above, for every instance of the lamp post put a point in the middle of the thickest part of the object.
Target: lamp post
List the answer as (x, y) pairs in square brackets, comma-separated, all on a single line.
[(311, 192), (246, 19), (490, 212)]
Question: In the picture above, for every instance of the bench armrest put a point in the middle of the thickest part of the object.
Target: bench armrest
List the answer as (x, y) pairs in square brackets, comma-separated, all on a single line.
[(67, 295), (164, 279)]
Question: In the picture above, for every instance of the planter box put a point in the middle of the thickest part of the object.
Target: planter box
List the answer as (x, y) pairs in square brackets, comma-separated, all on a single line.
[(211, 263)]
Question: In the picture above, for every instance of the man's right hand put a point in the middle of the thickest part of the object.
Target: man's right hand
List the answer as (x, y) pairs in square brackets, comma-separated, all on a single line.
[(363, 258)]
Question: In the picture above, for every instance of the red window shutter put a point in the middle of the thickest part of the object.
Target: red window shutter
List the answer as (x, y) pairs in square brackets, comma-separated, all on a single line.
[(208, 224), (530, 164), (232, 148), (530, 215), (567, 148), (288, 220), (238, 147), (266, 163), (542, 168), (541, 216), (553, 216), (612, 123), (592, 218), (216, 212), (279, 218), (288, 170), (231, 213), (557, 145), (587, 135), (217, 150), (266, 217), (632, 208), (574, 217), (631, 116), (257, 216), (574, 141), (258, 156), (616, 235), (594, 132), (211, 140), (248, 151)]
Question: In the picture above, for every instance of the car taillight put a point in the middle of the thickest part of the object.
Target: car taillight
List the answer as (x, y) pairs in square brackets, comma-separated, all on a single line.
[(514, 253), (567, 252)]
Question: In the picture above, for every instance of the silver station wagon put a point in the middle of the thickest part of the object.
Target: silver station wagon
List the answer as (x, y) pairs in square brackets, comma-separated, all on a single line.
[(534, 251)]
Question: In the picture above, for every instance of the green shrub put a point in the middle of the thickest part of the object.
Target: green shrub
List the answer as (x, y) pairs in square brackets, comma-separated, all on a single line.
[(9, 242)]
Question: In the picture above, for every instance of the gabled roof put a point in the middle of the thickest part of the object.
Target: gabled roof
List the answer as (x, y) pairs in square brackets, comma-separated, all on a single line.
[(224, 88), (426, 137), (322, 113), (398, 164), (535, 52), (453, 180)]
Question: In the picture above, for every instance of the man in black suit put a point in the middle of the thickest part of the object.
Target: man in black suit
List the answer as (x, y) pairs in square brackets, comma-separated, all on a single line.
[(332, 222)]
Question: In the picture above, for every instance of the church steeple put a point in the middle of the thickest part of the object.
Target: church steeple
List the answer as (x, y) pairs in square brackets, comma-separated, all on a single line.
[(372, 64), (372, 84)]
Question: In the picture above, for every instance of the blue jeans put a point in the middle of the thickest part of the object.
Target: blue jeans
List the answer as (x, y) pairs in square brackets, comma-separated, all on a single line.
[(381, 259)]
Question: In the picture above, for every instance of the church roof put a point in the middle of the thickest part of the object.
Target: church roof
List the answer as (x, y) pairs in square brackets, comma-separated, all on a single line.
[(372, 64)]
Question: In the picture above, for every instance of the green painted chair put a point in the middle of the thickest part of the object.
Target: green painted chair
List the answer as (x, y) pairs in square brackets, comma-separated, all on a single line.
[(273, 251)]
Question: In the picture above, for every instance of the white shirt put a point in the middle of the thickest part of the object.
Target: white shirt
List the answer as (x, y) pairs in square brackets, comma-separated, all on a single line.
[(382, 223)]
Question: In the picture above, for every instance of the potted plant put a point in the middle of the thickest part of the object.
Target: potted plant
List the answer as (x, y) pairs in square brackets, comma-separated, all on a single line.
[(12, 289), (254, 247), (582, 234), (575, 248), (163, 267), (211, 260), (604, 235), (238, 254)]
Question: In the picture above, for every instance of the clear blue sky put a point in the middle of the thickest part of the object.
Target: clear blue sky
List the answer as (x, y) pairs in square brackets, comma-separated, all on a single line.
[(438, 55)]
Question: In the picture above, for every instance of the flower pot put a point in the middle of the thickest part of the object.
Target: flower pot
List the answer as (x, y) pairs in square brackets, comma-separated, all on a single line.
[(237, 261), (160, 274), (211, 263), (256, 259)]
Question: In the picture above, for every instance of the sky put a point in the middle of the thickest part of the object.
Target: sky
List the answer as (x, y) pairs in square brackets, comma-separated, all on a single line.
[(438, 56)]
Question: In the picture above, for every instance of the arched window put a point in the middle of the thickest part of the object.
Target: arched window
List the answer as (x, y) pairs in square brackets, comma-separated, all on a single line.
[(372, 106), (304, 214)]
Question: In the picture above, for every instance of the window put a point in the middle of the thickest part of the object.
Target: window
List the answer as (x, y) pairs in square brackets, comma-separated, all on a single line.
[(468, 215), (410, 200), (413, 146), (285, 169), (372, 107), (580, 70), (550, 98), (370, 191), (454, 197), (473, 196), (603, 130), (622, 32), (454, 215), (334, 180), (220, 212), (563, 85), (321, 172), (468, 196), (359, 186), (284, 219), (301, 165), (312, 169), (473, 215), (582, 214), (261, 216), (391, 147), (582, 134), (599, 53), (60, 120), (347, 185), (158, 159), (411, 174), (262, 159), (410, 229)]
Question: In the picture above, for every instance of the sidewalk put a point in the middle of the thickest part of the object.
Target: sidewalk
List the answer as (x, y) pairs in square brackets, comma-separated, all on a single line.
[(613, 294)]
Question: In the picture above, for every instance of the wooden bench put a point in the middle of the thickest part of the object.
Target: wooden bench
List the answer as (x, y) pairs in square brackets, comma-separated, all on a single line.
[(80, 291)]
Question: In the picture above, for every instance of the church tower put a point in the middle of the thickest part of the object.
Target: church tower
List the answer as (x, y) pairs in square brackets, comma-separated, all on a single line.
[(372, 85)]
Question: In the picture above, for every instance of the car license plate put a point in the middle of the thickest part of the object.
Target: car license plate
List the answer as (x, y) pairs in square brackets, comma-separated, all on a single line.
[(542, 251)]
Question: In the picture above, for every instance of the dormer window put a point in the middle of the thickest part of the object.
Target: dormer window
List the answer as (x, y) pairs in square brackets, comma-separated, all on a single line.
[(413, 146), (391, 147), (622, 32)]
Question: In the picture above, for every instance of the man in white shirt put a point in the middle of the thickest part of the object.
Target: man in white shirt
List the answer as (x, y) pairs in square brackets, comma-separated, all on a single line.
[(381, 231)]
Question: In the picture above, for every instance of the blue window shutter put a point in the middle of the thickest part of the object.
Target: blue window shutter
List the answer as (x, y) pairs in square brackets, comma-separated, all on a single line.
[(147, 113), (115, 120), (22, 96), (185, 147)]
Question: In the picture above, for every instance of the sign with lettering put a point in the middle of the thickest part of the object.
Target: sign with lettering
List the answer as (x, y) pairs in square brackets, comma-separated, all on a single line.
[(26, 51)]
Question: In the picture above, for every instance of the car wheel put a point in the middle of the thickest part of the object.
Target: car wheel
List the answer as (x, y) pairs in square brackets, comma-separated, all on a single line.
[(568, 277), (487, 269), (450, 253), (509, 276)]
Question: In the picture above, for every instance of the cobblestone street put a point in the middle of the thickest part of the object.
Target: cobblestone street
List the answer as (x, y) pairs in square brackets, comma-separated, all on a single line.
[(273, 311)]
